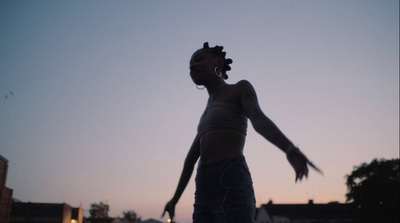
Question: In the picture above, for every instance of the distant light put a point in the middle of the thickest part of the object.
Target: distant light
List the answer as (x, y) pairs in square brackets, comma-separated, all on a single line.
[(169, 220)]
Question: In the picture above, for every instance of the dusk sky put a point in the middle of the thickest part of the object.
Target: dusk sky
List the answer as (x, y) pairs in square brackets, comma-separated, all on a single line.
[(96, 102)]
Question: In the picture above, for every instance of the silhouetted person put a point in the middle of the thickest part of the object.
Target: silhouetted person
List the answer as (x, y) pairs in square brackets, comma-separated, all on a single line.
[(224, 188)]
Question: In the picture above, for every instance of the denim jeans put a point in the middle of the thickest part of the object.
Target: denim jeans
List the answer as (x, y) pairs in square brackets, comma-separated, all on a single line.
[(224, 193)]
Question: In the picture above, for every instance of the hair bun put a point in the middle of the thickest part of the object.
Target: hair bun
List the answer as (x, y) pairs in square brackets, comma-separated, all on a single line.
[(217, 50)]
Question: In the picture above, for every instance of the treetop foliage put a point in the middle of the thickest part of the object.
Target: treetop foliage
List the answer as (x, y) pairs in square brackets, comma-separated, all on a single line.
[(374, 187)]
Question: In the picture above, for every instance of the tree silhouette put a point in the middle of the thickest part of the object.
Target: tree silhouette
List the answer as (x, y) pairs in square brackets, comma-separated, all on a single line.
[(131, 217), (99, 213), (374, 187)]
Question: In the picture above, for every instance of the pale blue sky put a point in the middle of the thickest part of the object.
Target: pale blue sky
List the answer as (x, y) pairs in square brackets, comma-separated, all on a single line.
[(104, 109)]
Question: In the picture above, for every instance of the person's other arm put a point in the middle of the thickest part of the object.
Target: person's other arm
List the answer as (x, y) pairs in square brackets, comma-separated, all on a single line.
[(261, 123), (267, 128), (188, 166)]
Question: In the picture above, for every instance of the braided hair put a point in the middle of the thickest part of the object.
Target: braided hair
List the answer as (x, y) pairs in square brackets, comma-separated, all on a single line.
[(217, 51)]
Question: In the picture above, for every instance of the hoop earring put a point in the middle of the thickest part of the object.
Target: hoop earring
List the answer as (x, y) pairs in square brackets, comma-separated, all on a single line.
[(216, 72), (199, 88)]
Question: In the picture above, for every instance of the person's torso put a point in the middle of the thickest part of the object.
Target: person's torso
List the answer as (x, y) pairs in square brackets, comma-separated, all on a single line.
[(222, 127)]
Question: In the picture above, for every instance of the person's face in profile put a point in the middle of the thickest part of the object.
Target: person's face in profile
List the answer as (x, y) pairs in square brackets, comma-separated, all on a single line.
[(202, 66)]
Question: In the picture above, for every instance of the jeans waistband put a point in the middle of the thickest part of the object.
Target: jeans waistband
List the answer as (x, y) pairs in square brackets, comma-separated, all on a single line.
[(239, 158)]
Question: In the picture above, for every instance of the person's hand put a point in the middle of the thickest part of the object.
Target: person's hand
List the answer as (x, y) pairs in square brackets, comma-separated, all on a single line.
[(299, 163), (170, 208)]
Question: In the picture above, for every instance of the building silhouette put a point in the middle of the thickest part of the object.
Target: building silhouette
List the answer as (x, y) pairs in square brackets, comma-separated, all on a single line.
[(5, 192), (24, 212), (333, 212)]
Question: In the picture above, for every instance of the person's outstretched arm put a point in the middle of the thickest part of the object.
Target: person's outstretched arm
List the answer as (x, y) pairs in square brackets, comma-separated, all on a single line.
[(188, 166), (265, 127)]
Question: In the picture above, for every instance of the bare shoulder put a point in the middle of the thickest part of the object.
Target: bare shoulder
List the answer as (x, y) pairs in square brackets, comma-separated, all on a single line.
[(244, 87), (237, 93), (247, 95), (243, 84)]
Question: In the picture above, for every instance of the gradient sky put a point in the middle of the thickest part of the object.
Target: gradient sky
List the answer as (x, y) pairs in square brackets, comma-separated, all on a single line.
[(103, 108)]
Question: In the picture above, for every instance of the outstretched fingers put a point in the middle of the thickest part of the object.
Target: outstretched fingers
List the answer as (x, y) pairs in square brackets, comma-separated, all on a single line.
[(297, 175), (306, 172), (165, 210), (313, 166), (170, 208), (300, 164)]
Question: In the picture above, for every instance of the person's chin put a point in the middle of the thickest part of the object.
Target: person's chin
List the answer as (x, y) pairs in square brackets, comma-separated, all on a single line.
[(197, 82)]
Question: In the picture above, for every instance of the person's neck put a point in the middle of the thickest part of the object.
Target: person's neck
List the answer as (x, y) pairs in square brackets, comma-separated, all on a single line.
[(213, 87)]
